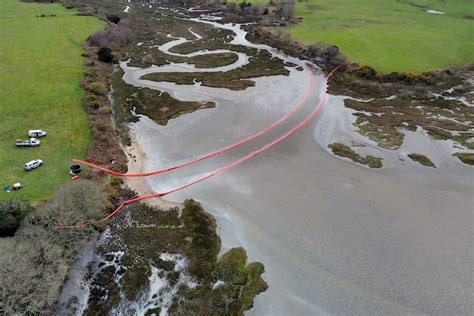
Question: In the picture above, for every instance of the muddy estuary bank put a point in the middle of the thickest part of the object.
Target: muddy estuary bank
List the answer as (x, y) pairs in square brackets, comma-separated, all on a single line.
[(335, 237)]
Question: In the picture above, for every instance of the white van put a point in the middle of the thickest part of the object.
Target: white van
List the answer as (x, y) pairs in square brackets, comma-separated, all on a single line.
[(36, 133)]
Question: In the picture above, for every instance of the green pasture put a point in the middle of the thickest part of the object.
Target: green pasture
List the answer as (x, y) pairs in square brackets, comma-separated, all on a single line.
[(391, 35), (41, 68)]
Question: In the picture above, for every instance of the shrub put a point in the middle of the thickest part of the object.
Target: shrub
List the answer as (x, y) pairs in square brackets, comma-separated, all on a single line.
[(98, 88), (99, 39), (102, 127), (11, 213), (286, 11), (316, 49), (119, 34), (105, 55), (105, 109), (92, 101), (113, 18), (364, 72)]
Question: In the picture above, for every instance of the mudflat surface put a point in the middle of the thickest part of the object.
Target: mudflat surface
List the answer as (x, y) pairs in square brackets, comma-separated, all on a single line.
[(333, 236)]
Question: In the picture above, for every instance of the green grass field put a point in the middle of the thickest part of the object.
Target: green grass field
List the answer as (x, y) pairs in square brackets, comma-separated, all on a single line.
[(41, 68), (391, 35)]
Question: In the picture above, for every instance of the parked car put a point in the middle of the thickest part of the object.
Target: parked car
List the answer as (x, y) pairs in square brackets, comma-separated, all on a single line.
[(37, 133), (32, 142), (30, 165)]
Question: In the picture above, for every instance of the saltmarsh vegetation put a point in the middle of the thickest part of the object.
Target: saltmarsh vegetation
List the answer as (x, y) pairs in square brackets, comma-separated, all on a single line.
[(421, 159), (467, 158), (400, 103), (157, 105), (383, 121), (261, 64), (208, 285), (40, 80)]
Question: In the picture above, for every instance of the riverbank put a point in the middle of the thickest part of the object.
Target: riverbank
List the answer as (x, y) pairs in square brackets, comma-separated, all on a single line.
[(136, 164), (160, 256)]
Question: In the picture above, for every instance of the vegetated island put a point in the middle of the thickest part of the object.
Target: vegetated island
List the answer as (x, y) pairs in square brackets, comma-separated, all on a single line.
[(422, 160), (347, 152)]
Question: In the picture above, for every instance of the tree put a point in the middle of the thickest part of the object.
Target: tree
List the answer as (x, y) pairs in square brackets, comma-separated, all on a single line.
[(75, 203), (105, 54), (35, 262), (244, 5), (11, 213), (113, 18)]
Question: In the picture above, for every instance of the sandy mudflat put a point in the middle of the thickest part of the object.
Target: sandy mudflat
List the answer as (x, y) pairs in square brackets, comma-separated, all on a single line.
[(136, 160)]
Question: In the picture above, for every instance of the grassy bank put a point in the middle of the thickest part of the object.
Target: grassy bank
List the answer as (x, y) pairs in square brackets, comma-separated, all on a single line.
[(40, 73), (393, 35)]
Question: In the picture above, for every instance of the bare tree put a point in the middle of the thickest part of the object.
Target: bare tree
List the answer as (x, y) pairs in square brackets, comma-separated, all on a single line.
[(256, 9), (286, 11)]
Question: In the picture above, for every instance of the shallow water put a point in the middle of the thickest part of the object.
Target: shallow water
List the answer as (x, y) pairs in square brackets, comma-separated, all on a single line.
[(334, 237), (435, 12)]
